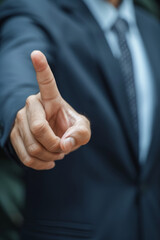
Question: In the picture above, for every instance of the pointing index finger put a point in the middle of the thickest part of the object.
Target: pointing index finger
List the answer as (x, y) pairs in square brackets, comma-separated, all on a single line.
[(45, 78)]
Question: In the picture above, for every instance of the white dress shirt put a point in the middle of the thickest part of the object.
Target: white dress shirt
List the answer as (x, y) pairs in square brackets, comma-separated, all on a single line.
[(106, 15)]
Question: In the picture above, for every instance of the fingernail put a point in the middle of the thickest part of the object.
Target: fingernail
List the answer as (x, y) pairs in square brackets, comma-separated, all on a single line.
[(69, 143)]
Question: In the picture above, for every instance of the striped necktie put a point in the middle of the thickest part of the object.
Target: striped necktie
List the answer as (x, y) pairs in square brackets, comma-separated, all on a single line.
[(121, 28)]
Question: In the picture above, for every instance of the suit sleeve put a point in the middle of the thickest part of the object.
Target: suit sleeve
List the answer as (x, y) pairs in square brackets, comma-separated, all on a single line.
[(19, 36)]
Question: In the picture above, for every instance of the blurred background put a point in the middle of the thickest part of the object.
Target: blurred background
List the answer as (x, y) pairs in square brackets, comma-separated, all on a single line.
[(12, 191)]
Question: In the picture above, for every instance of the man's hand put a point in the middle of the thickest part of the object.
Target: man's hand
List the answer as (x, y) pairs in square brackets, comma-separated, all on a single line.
[(47, 128)]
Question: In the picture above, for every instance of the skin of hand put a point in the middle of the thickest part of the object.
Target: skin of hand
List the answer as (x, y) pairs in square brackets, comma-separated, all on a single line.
[(47, 128)]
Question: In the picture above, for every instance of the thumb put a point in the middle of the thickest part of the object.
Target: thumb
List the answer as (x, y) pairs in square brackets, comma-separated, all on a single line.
[(68, 144), (77, 135), (45, 78)]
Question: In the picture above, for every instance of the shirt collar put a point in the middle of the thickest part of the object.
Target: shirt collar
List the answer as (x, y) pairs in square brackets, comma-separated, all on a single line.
[(106, 14)]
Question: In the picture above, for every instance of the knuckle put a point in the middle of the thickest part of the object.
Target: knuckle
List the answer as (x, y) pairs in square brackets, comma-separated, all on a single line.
[(29, 100), (83, 130), (86, 133), (13, 134), (86, 130), (20, 116), (86, 121), (34, 149), (28, 162), (38, 127), (32, 163)]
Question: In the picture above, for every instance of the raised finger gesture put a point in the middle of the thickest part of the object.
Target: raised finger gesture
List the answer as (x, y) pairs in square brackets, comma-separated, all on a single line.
[(47, 127)]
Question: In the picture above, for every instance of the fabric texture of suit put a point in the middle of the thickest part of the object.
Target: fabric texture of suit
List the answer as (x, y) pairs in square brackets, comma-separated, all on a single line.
[(98, 192)]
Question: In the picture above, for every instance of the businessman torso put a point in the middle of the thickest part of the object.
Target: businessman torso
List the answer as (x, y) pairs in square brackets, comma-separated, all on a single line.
[(99, 191)]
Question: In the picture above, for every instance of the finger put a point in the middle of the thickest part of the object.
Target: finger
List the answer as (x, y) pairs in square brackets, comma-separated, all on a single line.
[(77, 135), (45, 78), (23, 155), (40, 127), (32, 146)]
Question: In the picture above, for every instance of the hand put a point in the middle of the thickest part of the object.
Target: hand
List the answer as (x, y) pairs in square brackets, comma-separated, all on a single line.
[(47, 128)]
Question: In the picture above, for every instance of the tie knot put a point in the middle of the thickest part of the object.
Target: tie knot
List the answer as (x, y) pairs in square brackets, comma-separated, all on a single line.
[(120, 26)]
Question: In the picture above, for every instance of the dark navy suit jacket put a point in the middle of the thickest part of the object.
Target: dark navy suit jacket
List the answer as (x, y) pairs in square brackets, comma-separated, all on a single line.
[(98, 192)]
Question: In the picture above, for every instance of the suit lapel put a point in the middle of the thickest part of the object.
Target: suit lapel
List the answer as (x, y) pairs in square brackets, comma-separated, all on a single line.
[(113, 82), (109, 69), (149, 38)]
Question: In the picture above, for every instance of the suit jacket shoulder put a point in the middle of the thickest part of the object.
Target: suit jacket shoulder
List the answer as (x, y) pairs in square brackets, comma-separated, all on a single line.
[(149, 19)]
